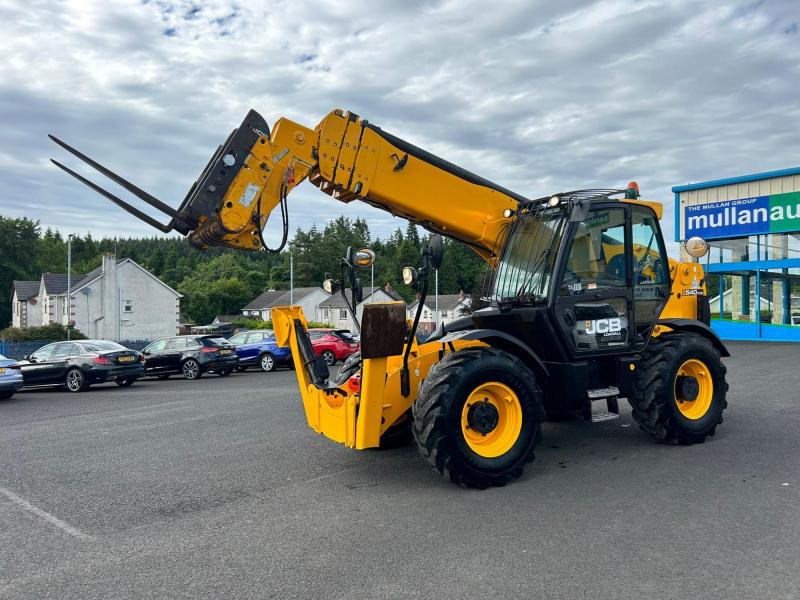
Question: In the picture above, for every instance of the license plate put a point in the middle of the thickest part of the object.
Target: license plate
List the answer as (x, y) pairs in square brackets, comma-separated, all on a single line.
[(126, 358), (225, 351)]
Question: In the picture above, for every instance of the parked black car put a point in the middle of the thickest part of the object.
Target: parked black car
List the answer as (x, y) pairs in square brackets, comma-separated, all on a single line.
[(190, 355), (76, 365)]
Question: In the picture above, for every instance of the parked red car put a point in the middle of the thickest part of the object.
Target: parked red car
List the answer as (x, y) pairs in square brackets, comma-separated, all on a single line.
[(333, 344)]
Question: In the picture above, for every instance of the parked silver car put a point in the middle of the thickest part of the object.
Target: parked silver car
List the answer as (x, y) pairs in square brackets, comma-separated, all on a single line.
[(10, 378)]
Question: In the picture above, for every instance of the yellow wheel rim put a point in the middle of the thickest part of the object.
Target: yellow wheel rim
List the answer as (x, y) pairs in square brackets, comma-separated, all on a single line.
[(491, 419), (693, 400)]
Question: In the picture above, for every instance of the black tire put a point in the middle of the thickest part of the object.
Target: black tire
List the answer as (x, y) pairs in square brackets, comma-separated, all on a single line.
[(266, 362), (75, 381), (225, 372), (127, 382), (655, 403), (191, 369), (164, 375), (437, 425), (329, 356), (241, 368), (399, 434), (6, 395)]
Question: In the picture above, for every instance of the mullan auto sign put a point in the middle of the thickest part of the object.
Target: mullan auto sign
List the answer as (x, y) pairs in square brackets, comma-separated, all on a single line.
[(746, 216)]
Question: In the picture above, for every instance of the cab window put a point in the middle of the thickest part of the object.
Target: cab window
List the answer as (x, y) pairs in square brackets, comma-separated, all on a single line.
[(596, 259)]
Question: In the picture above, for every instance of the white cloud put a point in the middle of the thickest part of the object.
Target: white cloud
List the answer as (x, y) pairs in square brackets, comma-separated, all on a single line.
[(538, 96)]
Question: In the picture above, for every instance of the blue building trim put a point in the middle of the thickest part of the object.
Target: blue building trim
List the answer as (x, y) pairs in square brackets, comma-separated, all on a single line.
[(732, 180), (753, 265), (677, 217)]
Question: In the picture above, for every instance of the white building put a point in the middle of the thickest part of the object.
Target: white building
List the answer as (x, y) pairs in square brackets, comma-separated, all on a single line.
[(441, 309), (25, 309), (120, 300), (333, 310), (307, 298)]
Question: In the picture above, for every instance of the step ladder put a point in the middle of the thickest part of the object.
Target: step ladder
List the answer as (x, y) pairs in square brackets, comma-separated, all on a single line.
[(603, 404)]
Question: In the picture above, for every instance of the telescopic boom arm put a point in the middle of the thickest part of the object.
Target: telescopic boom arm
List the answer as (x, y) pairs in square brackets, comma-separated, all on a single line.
[(345, 157)]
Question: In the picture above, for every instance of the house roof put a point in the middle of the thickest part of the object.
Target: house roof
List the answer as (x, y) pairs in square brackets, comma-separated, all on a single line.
[(88, 278), (56, 283), (336, 301), (26, 289), (272, 298), (228, 319), (97, 272), (445, 301)]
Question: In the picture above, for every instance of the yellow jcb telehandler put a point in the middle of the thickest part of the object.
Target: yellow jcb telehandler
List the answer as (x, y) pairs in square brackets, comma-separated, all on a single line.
[(582, 304)]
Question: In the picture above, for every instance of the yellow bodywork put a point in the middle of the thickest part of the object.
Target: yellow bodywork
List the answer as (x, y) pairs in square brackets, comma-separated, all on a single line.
[(358, 418)]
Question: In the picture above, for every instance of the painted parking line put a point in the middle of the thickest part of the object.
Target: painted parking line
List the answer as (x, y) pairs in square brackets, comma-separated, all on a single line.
[(44, 515)]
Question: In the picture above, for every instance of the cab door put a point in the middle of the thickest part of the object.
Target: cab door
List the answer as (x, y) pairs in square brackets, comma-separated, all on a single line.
[(593, 306)]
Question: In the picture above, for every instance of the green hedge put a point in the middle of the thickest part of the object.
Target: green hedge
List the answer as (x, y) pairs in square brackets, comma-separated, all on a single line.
[(53, 333)]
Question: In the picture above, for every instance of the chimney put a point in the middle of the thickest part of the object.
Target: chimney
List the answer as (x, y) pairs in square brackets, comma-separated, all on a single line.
[(387, 287), (461, 295), (109, 326)]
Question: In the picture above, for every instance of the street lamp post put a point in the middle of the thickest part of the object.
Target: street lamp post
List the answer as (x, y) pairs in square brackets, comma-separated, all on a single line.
[(69, 282)]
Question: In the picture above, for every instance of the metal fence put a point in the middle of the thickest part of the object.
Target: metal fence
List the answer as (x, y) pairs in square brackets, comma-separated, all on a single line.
[(17, 350)]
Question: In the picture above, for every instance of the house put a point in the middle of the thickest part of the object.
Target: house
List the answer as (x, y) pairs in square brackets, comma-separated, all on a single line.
[(121, 300), (333, 310), (308, 298), (51, 299), (441, 309), (25, 311)]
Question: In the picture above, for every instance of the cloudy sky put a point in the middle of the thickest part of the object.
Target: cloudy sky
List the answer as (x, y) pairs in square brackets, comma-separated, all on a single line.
[(539, 96)]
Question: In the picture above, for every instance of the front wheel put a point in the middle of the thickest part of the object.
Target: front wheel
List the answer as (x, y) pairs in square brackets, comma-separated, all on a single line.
[(680, 389), (478, 416), (267, 362), (191, 369), (6, 394), (75, 381)]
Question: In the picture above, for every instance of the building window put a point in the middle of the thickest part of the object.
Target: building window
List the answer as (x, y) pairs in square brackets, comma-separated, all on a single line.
[(127, 306), (342, 314)]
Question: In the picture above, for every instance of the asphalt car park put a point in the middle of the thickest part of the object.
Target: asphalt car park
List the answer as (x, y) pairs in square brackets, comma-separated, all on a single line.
[(218, 489)]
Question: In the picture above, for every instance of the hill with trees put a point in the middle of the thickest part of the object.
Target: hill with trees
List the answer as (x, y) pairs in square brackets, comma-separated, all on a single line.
[(220, 280)]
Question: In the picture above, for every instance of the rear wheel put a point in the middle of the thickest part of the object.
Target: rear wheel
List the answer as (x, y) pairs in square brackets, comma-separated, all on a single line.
[(191, 369), (6, 395), (681, 389), (478, 416), (75, 381), (329, 356), (267, 362), (127, 382)]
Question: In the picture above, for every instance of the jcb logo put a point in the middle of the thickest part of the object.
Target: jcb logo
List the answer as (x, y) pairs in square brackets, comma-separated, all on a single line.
[(603, 326)]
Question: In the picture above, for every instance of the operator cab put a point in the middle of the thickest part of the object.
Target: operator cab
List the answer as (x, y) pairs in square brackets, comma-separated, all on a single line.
[(581, 282)]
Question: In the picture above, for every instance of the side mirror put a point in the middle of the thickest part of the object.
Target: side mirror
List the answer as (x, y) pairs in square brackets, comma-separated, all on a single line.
[(436, 250), (363, 258), (330, 285)]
